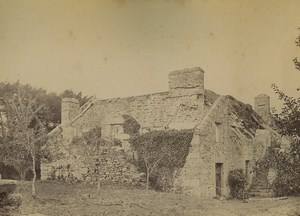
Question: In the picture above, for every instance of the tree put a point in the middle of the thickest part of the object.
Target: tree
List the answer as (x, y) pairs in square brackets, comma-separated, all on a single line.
[(12, 154), (295, 60), (24, 131), (91, 151), (288, 119), (49, 115), (150, 152), (287, 164), (161, 149), (71, 94)]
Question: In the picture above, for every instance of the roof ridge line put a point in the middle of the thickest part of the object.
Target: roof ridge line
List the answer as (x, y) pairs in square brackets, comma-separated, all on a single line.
[(90, 103), (201, 124)]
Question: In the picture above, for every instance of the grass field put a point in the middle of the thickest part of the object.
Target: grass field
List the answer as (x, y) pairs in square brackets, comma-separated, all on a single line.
[(56, 199)]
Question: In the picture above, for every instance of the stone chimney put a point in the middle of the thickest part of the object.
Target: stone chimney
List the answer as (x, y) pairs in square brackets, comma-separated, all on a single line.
[(185, 82), (262, 107), (69, 110)]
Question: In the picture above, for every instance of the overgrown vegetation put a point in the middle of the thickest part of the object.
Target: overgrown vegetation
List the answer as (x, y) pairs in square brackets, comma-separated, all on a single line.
[(27, 114), (287, 167), (287, 164), (130, 125), (242, 110), (237, 183), (160, 153), (48, 115), (22, 132), (295, 60), (90, 151)]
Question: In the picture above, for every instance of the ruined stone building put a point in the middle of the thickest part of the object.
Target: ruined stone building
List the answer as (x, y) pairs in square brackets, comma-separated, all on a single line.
[(228, 134)]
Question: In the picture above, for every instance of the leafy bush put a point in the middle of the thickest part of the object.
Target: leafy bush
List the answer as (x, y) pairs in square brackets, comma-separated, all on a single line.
[(287, 164), (162, 179), (287, 168), (10, 200), (287, 181), (237, 183)]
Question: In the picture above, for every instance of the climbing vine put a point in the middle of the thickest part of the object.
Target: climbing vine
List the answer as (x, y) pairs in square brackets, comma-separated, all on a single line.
[(160, 153), (130, 125)]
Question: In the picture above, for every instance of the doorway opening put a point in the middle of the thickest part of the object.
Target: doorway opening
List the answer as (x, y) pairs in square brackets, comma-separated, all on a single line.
[(219, 167), (247, 162)]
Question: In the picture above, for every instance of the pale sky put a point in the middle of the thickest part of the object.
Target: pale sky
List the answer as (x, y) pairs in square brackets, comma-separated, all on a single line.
[(118, 48)]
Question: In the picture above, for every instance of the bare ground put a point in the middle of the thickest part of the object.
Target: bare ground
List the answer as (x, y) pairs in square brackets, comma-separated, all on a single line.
[(58, 199)]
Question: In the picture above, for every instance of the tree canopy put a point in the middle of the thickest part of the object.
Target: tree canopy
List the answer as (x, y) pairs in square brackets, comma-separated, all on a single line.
[(23, 133), (26, 115), (287, 164), (50, 114), (295, 60)]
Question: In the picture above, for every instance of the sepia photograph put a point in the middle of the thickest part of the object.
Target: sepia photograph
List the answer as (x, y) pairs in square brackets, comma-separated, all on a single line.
[(149, 107)]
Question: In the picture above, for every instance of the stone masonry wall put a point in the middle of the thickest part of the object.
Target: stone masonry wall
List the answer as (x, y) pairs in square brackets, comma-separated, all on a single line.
[(229, 146), (150, 111), (186, 82), (221, 135), (183, 103), (73, 164), (69, 110)]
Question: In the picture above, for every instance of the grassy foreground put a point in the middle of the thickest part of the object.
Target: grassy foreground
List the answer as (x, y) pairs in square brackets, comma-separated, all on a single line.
[(58, 199)]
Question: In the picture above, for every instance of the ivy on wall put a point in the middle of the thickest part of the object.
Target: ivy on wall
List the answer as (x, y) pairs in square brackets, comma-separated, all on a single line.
[(160, 153), (130, 125)]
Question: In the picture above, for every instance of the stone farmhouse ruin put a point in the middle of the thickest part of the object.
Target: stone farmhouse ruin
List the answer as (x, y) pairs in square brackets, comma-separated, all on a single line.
[(228, 134)]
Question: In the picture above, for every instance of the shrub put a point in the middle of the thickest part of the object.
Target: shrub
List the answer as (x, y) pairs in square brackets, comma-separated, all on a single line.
[(162, 179), (237, 183), (287, 164), (287, 168), (10, 200)]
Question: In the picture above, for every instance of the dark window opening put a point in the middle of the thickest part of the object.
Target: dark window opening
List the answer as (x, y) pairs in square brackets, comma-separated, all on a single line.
[(219, 167)]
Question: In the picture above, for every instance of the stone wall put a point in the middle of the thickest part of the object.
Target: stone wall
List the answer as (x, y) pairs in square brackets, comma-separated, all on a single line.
[(150, 111), (75, 162), (264, 137), (69, 110), (225, 132), (183, 103), (219, 138)]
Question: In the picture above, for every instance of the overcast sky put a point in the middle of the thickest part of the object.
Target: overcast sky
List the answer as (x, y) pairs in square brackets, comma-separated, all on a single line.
[(119, 48)]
